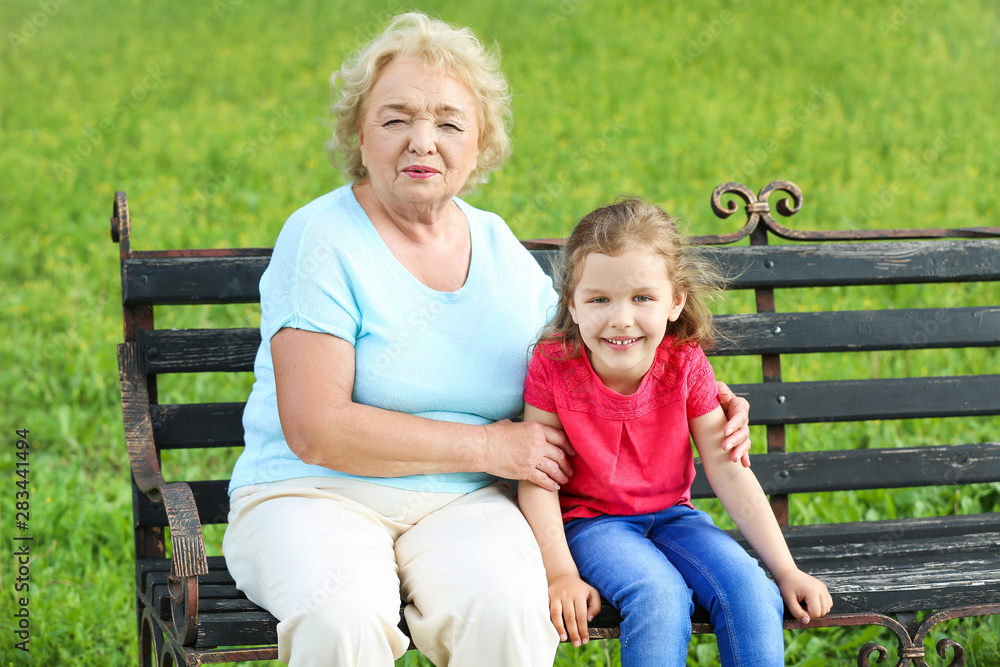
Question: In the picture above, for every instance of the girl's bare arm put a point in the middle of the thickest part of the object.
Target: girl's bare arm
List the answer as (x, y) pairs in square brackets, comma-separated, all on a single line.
[(572, 602), (743, 498)]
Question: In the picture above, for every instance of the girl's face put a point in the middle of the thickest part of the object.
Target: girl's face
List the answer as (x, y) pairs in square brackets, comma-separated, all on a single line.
[(623, 305)]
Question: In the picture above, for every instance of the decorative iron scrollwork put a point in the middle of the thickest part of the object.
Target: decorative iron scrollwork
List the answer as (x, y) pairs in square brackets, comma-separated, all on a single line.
[(757, 208), (911, 646), (758, 212)]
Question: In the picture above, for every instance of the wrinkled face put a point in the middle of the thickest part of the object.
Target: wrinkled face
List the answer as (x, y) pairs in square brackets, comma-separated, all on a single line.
[(623, 305), (419, 137)]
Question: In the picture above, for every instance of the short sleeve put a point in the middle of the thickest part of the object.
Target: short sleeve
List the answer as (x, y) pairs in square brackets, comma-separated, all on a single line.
[(537, 387), (305, 285), (703, 395)]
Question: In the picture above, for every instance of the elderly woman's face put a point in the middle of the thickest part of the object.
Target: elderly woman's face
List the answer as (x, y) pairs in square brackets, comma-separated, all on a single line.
[(419, 137)]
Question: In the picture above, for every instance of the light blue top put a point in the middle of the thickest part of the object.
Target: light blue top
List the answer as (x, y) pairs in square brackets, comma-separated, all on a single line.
[(455, 356)]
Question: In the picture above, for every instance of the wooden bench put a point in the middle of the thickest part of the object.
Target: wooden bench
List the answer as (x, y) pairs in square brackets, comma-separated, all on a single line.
[(906, 574)]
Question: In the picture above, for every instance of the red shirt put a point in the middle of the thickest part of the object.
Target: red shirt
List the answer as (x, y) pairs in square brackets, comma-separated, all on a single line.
[(633, 453)]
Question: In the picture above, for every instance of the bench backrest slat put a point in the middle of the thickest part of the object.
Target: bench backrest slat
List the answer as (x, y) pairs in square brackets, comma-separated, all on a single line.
[(857, 469), (198, 425), (211, 498), (857, 400), (864, 330), (877, 263), (192, 279), (200, 350), (220, 424), (234, 350), (846, 264), (178, 279), (793, 472)]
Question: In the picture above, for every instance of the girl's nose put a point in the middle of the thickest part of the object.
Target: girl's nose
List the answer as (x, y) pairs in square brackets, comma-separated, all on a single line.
[(621, 317)]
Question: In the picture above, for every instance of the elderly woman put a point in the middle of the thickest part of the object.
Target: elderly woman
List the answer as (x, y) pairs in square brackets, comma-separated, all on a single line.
[(395, 324)]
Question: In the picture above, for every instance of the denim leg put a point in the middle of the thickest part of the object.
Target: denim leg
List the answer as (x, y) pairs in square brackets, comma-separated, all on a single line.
[(745, 606), (614, 555)]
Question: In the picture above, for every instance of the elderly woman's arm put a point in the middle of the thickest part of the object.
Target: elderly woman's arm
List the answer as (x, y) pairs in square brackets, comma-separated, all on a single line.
[(314, 378), (737, 429)]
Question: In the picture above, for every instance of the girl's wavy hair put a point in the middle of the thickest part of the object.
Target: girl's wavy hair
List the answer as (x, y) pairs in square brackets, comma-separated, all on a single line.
[(440, 46), (632, 223)]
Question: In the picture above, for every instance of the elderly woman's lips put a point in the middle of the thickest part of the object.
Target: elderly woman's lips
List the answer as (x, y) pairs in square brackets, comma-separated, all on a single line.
[(420, 171)]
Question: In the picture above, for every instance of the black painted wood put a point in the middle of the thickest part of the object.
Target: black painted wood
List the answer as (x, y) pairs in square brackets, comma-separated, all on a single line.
[(196, 279), (234, 350), (857, 331), (197, 425), (858, 400), (855, 469), (219, 424), (792, 472), (200, 350), (182, 280)]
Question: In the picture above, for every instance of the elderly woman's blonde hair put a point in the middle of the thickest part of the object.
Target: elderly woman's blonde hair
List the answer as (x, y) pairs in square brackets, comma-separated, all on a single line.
[(456, 51)]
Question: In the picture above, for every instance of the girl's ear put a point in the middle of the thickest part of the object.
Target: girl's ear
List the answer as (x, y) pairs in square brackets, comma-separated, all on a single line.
[(680, 298), (572, 310)]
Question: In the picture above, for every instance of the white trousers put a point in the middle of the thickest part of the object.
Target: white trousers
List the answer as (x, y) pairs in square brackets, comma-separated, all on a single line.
[(331, 558)]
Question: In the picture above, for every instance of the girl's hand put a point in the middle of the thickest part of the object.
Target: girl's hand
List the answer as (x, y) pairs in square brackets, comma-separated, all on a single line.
[(572, 604), (797, 587), (737, 429)]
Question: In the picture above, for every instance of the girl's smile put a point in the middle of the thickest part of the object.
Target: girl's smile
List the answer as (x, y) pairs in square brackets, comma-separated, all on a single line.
[(623, 305)]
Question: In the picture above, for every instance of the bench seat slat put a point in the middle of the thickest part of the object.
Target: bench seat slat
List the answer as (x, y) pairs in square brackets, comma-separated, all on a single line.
[(858, 400), (950, 564), (876, 532), (236, 628)]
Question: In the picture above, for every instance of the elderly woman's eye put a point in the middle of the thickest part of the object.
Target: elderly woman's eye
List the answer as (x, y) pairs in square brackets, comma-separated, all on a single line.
[(393, 122)]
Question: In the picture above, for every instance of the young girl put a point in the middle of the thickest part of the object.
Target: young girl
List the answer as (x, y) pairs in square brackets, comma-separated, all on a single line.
[(621, 370)]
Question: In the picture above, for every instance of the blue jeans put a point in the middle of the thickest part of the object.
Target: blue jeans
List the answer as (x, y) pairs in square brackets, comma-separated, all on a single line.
[(654, 568)]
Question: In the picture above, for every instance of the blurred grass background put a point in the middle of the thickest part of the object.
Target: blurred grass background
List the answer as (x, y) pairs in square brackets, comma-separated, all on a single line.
[(211, 115)]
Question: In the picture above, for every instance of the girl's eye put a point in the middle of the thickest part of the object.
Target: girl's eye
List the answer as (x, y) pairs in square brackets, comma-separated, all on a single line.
[(642, 298), (599, 299)]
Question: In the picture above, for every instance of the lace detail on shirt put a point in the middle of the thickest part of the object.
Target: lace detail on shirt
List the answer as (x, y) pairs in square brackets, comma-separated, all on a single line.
[(703, 396), (678, 374)]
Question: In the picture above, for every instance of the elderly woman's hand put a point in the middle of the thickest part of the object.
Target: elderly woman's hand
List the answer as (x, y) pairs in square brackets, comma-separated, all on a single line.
[(528, 450), (737, 431)]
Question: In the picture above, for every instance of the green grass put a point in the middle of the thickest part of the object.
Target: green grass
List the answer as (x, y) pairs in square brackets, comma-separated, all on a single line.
[(211, 116)]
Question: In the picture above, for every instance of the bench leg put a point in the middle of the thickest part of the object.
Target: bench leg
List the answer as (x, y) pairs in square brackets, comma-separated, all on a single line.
[(911, 635), (147, 642), (167, 658)]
